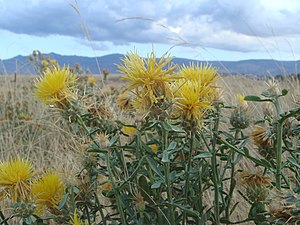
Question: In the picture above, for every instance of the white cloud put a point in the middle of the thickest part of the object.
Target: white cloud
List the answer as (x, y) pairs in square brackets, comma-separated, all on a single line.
[(247, 26)]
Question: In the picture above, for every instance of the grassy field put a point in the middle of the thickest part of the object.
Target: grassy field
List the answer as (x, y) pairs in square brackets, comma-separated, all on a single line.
[(38, 132)]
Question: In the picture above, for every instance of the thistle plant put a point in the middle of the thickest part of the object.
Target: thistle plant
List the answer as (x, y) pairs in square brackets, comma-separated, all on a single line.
[(160, 166)]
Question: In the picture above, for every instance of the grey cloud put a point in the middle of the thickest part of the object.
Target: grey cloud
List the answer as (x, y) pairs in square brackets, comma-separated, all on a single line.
[(225, 24)]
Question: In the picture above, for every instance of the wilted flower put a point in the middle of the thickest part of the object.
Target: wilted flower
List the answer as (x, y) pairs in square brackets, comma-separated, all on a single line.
[(273, 88), (263, 137), (285, 208), (15, 178), (124, 101), (56, 85), (106, 185), (268, 108), (48, 191), (256, 185), (140, 204)]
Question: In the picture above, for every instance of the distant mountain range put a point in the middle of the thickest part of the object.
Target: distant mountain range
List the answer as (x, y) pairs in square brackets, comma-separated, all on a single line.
[(258, 67)]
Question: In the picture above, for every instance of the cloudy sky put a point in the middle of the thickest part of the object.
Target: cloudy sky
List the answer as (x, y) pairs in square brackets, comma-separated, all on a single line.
[(197, 29)]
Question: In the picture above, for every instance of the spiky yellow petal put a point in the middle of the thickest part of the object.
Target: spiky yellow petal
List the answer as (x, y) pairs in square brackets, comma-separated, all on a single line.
[(146, 73), (76, 220), (56, 85), (15, 176), (191, 99), (203, 73), (48, 191)]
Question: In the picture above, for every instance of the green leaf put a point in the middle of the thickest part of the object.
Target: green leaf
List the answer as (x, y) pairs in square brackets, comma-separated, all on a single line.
[(156, 184), (203, 155), (177, 129), (284, 92), (168, 151), (187, 210), (154, 167), (113, 140), (252, 98), (63, 201), (171, 146), (165, 157), (294, 162)]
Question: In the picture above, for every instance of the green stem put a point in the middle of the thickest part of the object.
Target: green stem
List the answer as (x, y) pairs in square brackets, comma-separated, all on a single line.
[(232, 181), (278, 144), (86, 129), (214, 168), (278, 150), (187, 173), (117, 194), (168, 179), (100, 209)]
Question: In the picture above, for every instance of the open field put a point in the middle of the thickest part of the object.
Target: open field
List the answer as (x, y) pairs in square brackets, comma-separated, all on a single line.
[(39, 132)]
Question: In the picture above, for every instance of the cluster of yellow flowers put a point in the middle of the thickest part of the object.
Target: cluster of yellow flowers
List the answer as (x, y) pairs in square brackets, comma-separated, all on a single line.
[(18, 182), (157, 86)]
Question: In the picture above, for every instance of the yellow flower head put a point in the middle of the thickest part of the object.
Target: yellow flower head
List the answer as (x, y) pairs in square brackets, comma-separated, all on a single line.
[(129, 130), (241, 102), (91, 80), (15, 178), (154, 148), (146, 73), (56, 85), (191, 99), (205, 74), (48, 191)]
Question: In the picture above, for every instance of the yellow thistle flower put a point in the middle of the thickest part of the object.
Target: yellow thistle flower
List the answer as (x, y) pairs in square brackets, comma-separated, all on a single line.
[(91, 80), (205, 74), (154, 148), (56, 85), (241, 102), (15, 178), (48, 191), (262, 137), (45, 63), (191, 99), (129, 130), (76, 220), (146, 73)]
